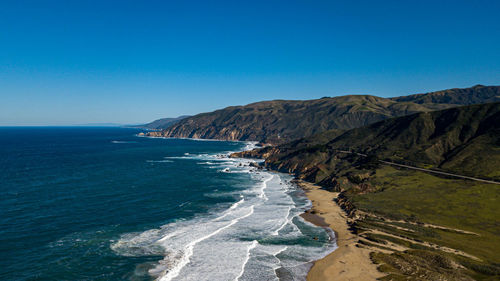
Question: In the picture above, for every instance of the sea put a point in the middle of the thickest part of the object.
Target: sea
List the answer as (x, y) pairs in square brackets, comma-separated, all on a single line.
[(97, 203)]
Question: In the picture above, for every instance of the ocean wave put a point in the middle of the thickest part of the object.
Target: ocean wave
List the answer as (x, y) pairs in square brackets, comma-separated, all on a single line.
[(188, 250), (252, 245), (253, 238), (116, 141), (160, 161), (139, 244)]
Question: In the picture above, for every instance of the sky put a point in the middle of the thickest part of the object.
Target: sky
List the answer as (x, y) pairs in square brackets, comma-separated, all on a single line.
[(130, 62)]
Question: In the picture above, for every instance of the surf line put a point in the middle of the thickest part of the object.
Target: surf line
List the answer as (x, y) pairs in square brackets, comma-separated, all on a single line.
[(252, 245), (278, 264), (264, 186), (190, 247), (227, 212), (287, 220)]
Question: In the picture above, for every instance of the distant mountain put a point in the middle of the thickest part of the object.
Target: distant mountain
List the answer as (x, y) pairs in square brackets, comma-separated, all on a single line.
[(280, 121), (100, 125), (466, 96), (162, 123), (464, 140)]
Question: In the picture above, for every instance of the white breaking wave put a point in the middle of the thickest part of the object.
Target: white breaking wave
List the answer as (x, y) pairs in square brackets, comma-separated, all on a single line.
[(264, 186), (189, 249), (159, 161), (250, 145), (250, 247), (115, 141), (252, 239), (287, 221)]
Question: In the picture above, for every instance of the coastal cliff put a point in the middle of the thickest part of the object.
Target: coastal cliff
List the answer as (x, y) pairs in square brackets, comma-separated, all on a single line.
[(282, 121), (417, 224), (416, 176), (458, 140)]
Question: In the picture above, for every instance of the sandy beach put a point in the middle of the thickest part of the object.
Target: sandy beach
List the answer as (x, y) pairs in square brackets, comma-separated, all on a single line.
[(348, 262)]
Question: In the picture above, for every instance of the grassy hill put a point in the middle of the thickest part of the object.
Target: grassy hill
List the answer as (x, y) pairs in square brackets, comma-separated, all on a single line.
[(280, 121), (466, 96), (448, 227), (464, 140), (425, 227)]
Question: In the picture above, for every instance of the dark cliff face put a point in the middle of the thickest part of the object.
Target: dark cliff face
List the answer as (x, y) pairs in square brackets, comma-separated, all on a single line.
[(281, 121), (465, 140)]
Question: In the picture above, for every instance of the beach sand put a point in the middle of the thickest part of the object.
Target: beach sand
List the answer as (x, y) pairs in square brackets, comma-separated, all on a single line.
[(348, 262)]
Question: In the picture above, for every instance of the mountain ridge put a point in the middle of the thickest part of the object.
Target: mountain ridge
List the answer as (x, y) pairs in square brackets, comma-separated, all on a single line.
[(162, 123), (455, 140), (457, 96), (280, 121), (409, 217)]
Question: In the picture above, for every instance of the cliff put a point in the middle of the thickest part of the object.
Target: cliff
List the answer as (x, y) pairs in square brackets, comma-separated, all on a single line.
[(281, 121), (464, 140), (417, 225)]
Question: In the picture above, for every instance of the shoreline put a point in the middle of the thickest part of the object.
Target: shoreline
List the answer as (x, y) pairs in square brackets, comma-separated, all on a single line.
[(347, 262)]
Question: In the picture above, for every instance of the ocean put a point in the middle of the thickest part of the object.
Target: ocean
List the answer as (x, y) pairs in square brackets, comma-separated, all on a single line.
[(90, 203)]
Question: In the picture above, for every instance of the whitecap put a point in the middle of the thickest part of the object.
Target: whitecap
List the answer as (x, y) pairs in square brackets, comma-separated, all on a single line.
[(188, 250), (261, 229), (116, 141), (160, 161), (250, 247)]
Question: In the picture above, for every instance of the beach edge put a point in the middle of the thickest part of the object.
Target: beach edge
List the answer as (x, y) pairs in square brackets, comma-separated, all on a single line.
[(347, 262)]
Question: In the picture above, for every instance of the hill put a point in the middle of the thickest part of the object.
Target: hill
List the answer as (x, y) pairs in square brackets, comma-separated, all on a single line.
[(280, 121), (464, 140), (418, 225), (284, 120), (162, 123), (465, 96)]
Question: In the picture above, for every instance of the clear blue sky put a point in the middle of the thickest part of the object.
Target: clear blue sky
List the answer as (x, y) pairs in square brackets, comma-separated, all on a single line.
[(70, 62)]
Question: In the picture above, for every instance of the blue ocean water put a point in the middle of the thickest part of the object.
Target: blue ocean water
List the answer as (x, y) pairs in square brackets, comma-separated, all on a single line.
[(89, 203)]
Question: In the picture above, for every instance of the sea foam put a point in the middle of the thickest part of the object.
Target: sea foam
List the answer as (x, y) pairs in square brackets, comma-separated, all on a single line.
[(251, 239)]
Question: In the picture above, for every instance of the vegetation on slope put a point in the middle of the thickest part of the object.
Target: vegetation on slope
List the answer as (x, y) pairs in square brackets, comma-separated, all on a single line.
[(464, 140), (474, 95), (405, 201), (425, 227), (281, 121)]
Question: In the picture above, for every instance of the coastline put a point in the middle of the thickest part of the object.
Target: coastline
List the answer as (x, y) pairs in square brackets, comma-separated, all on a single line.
[(347, 262)]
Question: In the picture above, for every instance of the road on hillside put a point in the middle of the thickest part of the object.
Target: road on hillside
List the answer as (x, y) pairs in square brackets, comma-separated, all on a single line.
[(425, 170)]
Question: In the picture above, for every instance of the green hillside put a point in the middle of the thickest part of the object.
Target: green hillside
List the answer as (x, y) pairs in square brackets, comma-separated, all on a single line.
[(426, 226), (464, 140), (465, 96), (281, 121)]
